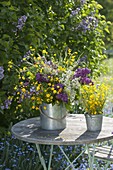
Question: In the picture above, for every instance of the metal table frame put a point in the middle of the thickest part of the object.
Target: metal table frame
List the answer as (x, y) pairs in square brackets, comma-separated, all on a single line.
[(42, 160), (74, 134)]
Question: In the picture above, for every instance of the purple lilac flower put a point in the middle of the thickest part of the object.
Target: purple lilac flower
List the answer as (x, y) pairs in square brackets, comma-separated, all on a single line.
[(63, 97), (81, 72), (82, 2), (21, 22), (75, 12), (88, 23), (1, 72), (41, 78), (7, 103), (82, 59), (27, 55)]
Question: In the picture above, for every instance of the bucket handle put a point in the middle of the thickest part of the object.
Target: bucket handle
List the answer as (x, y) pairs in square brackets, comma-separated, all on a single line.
[(58, 119)]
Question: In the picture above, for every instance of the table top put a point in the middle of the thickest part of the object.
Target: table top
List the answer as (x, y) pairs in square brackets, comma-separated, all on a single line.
[(75, 132)]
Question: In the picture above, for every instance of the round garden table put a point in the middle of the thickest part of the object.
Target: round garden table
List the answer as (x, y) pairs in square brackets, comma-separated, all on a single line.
[(75, 133)]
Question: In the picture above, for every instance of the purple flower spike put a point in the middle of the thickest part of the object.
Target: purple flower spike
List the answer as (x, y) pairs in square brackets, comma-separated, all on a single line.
[(21, 22)]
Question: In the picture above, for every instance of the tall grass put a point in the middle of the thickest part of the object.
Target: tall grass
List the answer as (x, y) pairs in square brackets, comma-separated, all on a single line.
[(107, 78)]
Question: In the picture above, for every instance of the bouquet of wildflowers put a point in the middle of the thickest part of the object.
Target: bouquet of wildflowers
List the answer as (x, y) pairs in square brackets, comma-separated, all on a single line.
[(93, 98), (49, 81)]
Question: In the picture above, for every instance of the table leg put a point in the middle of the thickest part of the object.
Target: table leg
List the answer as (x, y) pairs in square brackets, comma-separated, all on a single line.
[(71, 164), (41, 157), (50, 158), (90, 156), (82, 152)]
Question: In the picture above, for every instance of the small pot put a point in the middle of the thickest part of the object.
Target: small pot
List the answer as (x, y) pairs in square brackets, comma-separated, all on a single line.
[(94, 122)]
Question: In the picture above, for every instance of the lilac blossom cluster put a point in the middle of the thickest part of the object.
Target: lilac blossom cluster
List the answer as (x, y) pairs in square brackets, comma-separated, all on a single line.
[(82, 2), (1, 72), (6, 104), (75, 12), (88, 23), (82, 73), (21, 22), (82, 59), (28, 53)]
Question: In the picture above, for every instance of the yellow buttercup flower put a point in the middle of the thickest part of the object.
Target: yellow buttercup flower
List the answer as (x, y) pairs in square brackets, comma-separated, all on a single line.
[(44, 107), (69, 51), (49, 84), (23, 90), (52, 88), (33, 107), (60, 68), (38, 99), (54, 91), (33, 98), (36, 108), (44, 52), (48, 95), (38, 87), (39, 58), (15, 88)]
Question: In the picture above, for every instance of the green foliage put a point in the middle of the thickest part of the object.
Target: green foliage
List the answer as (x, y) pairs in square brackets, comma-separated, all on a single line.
[(51, 25), (107, 11)]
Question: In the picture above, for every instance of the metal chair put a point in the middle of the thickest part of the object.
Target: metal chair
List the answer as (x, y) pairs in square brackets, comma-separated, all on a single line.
[(104, 153)]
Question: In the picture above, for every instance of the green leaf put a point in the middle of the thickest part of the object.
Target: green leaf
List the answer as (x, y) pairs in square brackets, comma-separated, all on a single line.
[(6, 3)]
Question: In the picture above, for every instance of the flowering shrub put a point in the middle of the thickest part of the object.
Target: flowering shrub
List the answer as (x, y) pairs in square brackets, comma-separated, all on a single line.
[(49, 81), (93, 98), (53, 24)]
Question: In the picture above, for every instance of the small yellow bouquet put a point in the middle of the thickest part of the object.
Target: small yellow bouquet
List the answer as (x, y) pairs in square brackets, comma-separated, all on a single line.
[(93, 98)]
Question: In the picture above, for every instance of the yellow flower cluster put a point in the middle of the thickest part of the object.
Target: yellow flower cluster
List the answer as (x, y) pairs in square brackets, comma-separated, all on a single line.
[(45, 78), (93, 98), (70, 58)]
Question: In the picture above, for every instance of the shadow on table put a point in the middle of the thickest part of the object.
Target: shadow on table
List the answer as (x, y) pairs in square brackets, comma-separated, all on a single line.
[(88, 137)]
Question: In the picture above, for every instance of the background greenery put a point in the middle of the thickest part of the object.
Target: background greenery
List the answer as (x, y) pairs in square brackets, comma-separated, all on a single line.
[(51, 25), (107, 11)]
